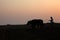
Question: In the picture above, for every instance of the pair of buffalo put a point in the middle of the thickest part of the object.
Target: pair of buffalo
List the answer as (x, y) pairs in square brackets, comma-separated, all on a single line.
[(35, 22)]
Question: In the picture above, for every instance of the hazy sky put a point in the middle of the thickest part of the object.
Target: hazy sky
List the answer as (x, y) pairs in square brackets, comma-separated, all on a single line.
[(20, 11)]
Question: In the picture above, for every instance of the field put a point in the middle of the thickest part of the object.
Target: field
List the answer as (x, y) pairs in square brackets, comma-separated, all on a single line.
[(24, 32)]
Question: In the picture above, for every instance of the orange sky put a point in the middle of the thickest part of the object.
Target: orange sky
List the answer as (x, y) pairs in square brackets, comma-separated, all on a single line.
[(20, 11)]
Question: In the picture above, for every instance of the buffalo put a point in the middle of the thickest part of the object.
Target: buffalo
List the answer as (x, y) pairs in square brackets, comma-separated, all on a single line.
[(35, 22)]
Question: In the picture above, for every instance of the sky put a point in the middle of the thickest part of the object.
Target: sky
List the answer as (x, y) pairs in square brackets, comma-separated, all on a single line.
[(20, 11)]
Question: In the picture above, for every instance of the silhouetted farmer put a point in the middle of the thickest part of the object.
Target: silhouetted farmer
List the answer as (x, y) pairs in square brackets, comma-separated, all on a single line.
[(51, 21), (35, 22), (51, 24)]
